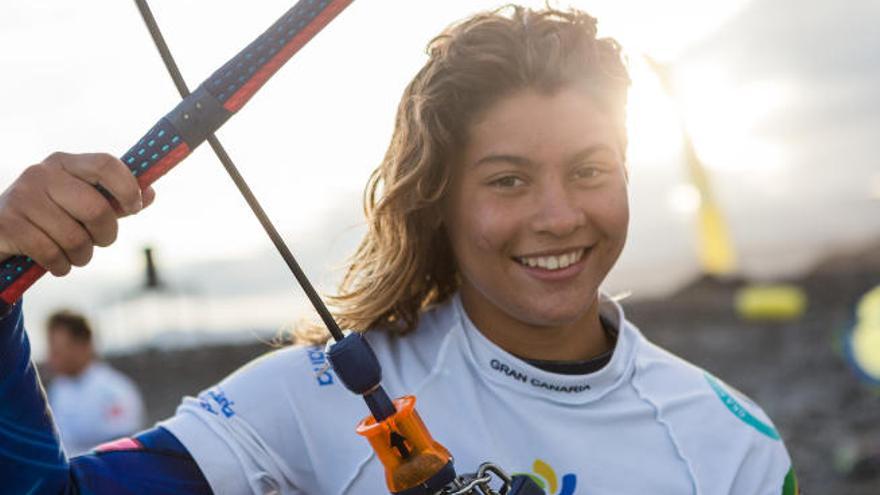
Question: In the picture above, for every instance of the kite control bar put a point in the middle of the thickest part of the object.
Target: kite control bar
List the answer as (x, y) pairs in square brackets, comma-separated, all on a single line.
[(177, 134)]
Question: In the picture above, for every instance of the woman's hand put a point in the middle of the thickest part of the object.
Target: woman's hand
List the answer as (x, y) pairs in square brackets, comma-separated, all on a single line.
[(57, 211)]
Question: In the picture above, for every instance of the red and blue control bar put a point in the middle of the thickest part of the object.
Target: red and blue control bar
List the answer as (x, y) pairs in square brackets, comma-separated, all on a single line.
[(200, 114)]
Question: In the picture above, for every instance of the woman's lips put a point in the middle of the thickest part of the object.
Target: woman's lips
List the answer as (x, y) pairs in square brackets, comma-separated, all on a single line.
[(547, 273)]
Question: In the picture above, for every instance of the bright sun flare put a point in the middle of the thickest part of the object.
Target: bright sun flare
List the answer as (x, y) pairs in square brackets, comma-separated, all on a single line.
[(723, 119)]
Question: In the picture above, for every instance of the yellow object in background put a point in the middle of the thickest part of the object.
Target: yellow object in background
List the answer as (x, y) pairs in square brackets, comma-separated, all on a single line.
[(864, 344), (714, 246), (868, 310), (782, 302), (715, 249), (866, 350)]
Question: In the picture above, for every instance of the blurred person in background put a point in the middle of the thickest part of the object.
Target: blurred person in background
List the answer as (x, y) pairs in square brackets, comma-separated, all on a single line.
[(91, 401)]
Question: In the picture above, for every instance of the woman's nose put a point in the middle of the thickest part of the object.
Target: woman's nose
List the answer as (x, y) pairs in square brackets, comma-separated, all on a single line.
[(558, 213)]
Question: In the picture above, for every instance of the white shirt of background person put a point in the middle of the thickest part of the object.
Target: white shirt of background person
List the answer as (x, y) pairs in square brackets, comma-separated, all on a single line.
[(92, 403)]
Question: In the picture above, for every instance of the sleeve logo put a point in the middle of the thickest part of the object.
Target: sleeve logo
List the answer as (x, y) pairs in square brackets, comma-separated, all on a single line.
[(739, 410)]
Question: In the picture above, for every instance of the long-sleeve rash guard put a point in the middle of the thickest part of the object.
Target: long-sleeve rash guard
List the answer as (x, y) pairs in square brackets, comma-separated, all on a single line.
[(647, 422), (33, 462)]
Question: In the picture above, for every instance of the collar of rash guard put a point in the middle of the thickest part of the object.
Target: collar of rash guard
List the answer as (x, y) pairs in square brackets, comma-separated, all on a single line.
[(501, 368)]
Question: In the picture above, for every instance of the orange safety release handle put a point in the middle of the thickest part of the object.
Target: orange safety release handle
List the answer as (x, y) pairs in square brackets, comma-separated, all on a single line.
[(409, 453)]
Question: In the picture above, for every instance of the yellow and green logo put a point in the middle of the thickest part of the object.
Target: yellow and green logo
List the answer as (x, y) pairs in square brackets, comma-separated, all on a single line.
[(546, 478)]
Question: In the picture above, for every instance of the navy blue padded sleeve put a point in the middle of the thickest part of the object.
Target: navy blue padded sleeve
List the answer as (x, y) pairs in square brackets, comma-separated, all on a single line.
[(152, 462), (31, 457)]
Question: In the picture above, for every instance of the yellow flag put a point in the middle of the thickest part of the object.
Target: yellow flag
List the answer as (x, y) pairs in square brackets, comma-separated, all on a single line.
[(714, 245)]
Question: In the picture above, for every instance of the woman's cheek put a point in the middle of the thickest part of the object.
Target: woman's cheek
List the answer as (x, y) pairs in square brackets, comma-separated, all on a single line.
[(615, 210), (494, 227), (616, 223)]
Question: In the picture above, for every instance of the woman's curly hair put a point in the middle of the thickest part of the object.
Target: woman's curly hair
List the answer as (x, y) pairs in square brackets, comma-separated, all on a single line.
[(404, 262)]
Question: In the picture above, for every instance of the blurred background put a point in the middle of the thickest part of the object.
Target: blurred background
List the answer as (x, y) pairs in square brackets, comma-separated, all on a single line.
[(755, 189)]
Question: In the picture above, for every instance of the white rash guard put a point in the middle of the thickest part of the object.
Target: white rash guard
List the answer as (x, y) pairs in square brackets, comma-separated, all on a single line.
[(647, 422)]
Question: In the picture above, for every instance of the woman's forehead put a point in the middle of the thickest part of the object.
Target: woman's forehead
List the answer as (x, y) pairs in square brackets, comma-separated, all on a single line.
[(541, 126)]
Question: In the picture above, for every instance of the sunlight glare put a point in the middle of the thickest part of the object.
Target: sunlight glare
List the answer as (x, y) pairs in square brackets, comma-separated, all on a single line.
[(664, 29), (874, 187), (725, 119), (684, 200), (653, 128)]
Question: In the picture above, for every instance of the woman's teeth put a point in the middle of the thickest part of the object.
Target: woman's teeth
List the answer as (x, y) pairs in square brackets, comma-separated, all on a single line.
[(552, 262)]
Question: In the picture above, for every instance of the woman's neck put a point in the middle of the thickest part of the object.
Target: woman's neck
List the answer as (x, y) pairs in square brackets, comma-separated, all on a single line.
[(581, 339)]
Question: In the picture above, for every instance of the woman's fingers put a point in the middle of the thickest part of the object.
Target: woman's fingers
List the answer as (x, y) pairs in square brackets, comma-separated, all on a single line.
[(31, 241), (57, 211), (87, 206), (106, 172), (68, 234), (148, 195)]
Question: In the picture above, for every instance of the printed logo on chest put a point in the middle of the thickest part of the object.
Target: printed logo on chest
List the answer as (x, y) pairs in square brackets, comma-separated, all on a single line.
[(521, 376), (546, 478)]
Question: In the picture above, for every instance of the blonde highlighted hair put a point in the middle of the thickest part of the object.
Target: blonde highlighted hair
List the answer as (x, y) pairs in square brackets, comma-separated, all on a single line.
[(404, 262)]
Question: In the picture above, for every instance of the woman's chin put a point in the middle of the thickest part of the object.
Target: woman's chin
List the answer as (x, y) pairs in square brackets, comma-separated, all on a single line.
[(554, 313)]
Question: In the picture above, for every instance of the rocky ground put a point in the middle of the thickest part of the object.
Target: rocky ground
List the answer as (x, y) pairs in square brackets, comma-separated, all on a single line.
[(829, 420)]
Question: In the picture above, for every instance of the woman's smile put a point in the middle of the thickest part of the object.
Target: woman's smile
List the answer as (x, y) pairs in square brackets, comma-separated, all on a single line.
[(554, 266)]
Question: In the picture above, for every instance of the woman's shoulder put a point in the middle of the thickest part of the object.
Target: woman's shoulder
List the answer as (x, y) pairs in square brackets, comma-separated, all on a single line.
[(281, 400), (434, 325), (296, 376), (303, 371), (712, 423), (679, 387), (407, 359)]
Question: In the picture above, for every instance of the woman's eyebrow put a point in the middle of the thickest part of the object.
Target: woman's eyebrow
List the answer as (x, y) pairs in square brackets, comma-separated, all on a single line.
[(589, 151), (517, 160), (523, 161)]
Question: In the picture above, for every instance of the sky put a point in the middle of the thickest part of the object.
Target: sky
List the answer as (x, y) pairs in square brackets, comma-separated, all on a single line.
[(777, 95)]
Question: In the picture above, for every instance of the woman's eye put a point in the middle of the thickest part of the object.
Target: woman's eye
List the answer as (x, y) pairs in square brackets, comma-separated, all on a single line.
[(587, 172), (507, 181)]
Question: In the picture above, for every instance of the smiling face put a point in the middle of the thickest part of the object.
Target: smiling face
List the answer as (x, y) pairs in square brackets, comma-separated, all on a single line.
[(537, 214)]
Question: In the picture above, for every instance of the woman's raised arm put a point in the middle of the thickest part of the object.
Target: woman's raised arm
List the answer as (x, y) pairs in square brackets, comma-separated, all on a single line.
[(56, 212)]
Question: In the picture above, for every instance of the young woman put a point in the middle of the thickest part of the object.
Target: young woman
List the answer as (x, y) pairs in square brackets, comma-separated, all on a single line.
[(497, 212)]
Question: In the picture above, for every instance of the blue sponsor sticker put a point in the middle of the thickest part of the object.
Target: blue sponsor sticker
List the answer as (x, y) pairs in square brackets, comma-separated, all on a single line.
[(318, 360), (739, 410), (218, 397)]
